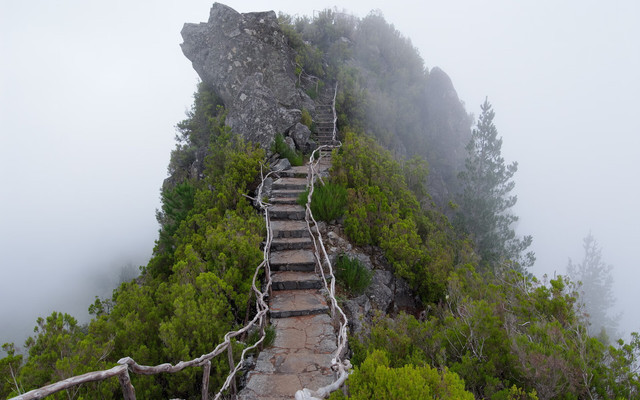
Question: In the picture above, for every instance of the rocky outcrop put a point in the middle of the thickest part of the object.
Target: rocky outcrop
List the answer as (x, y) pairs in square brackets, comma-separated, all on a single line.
[(448, 131), (248, 62), (386, 295)]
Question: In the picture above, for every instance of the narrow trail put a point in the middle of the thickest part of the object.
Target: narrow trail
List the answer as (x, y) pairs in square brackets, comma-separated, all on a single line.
[(305, 339)]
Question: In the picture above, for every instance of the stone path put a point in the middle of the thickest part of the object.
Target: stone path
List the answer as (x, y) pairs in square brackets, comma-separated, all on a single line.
[(305, 339)]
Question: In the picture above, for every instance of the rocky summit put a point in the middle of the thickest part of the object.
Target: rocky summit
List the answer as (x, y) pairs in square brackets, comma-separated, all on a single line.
[(247, 60)]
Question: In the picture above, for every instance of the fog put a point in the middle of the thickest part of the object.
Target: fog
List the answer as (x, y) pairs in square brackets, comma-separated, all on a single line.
[(90, 94)]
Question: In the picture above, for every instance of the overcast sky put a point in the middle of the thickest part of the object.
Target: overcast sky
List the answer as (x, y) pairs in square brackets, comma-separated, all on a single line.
[(90, 93)]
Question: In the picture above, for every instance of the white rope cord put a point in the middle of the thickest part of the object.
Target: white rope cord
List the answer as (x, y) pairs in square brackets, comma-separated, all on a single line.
[(128, 364)]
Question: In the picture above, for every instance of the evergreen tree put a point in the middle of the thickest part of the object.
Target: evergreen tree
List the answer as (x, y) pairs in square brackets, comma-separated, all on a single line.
[(596, 292), (486, 199)]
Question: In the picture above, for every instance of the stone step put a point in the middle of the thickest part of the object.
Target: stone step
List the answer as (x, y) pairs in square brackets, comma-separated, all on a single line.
[(295, 172), (293, 260), (299, 358), (290, 184), (295, 280), (289, 229), (287, 211), (294, 303), (291, 244), (284, 200), (287, 193)]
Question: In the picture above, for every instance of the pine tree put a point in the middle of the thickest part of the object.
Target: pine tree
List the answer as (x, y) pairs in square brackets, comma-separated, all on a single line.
[(486, 199), (596, 288)]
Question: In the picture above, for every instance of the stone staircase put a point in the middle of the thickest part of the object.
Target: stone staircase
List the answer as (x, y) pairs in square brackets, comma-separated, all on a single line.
[(305, 339), (324, 118)]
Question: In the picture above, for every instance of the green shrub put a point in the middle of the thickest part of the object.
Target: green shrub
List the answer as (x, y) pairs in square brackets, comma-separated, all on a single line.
[(328, 203), (352, 274), (305, 119), (279, 146), (374, 379)]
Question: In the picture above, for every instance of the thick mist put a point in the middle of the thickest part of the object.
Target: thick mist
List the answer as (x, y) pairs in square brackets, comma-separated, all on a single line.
[(90, 94)]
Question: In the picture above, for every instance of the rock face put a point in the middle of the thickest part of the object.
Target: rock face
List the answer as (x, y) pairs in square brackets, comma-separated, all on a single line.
[(248, 62), (447, 125)]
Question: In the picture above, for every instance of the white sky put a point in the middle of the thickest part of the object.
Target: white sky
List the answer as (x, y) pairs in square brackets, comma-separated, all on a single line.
[(90, 93)]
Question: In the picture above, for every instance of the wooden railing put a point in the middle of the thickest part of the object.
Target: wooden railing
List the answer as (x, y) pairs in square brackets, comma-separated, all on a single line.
[(128, 364)]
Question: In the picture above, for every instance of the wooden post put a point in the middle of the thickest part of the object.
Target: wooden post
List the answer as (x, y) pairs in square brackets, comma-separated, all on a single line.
[(128, 391), (205, 380), (232, 386)]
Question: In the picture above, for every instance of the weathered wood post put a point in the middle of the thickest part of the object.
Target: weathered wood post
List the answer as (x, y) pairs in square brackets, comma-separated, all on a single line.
[(232, 386), (205, 380), (128, 391)]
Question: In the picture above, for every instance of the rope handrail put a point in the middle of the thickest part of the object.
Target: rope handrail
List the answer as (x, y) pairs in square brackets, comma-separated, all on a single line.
[(340, 366), (127, 364)]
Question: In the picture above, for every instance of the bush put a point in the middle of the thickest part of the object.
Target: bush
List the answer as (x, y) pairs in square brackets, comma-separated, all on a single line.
[(352, 274), (328, 203), (305, 119), (279, 146), (374, 379)]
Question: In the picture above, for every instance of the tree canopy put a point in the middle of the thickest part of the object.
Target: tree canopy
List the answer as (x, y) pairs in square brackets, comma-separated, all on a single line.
[(486, 201)]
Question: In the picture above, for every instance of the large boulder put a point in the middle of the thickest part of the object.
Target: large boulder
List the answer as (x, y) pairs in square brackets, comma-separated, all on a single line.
[(300, 135), (248, 62)]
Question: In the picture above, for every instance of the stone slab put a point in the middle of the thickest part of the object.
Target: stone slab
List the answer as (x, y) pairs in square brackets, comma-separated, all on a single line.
[(290, 184), (295, 280), (287, 211), (292, 260), (291, 243), (292, 303), (289, 229)]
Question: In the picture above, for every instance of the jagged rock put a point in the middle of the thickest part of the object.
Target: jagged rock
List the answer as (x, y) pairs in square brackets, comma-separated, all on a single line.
[(380, 291), (290, 143), (281, 165), (249, 64), (448, 131), (404, 298), (300, 135), (359, 313)]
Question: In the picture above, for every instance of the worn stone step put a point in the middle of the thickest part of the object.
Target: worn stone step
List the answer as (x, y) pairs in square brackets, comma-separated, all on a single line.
[(289, 229), (290, 184), (299, 358), (295, 172), (293, 260), (287, 193), (293, 303), (287, 211), (283, 200), (291, 244), (295, 280)]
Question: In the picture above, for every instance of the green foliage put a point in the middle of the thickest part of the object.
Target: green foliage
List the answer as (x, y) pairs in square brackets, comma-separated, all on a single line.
[(281, 147), (61, 349), (596, 287), (383, 211), (203, 120), (328, 203), (375, 379), (305, 119), (352, 274), (486, 199), (9, 370)]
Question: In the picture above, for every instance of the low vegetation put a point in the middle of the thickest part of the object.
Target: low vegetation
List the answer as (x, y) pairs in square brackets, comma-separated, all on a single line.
[(352, 274), (281, 147), (328, 202)]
